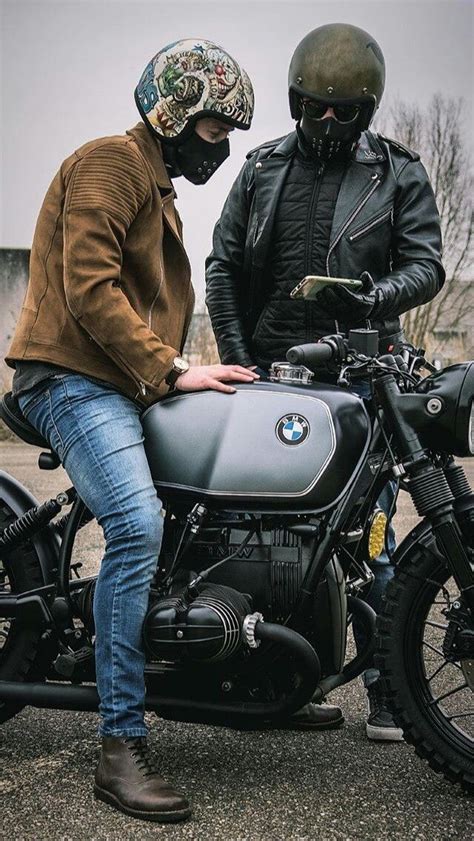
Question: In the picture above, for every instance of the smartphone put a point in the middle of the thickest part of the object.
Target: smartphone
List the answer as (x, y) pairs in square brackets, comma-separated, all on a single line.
[(309, 287)]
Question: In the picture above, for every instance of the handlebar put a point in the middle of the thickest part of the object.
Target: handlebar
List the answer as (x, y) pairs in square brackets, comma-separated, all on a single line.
[(311, 355), (335, 349), (360, 349)]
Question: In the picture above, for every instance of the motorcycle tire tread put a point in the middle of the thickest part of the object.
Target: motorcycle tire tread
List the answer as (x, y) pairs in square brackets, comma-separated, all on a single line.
[(390, 620)]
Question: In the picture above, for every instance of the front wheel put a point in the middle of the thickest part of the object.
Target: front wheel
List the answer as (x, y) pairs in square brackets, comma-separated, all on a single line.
[(425, 653)]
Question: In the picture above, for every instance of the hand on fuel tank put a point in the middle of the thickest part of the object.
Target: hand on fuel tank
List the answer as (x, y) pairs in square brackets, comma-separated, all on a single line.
[(354, 306), (201, 377)]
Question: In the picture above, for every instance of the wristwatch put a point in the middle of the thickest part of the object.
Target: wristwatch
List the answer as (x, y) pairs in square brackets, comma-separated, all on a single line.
[(180, 366)]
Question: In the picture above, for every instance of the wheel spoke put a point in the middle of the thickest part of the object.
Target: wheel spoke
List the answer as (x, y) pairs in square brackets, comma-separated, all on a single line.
[(432, 648), (436, 625), (460, 715), (438, 670), (446, 663), (447, 694)]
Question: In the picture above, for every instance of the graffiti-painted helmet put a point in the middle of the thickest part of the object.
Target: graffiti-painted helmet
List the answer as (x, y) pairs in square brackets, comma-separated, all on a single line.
[(191, 79)]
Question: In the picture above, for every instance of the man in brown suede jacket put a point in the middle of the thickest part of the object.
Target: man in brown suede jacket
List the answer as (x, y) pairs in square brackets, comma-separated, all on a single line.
[(110, 293), (101, 332)]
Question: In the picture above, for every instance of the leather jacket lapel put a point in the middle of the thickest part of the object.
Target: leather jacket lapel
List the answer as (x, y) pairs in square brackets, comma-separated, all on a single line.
[(270, 175), (358, 184), (361, 179), (269, 179)]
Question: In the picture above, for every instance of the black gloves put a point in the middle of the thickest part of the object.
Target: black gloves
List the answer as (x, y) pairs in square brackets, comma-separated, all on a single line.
[(337, 300)]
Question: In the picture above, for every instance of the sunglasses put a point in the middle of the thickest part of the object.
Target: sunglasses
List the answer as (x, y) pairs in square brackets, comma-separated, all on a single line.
[(316, 110)]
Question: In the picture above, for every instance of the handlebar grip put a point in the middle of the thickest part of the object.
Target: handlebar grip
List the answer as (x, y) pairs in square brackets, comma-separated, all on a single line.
[(311, 355)]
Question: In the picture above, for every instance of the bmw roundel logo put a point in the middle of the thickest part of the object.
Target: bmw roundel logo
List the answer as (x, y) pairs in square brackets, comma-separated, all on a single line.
[(292, 429)]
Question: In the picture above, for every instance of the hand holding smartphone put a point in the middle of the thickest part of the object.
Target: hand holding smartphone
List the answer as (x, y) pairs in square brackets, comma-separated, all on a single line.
[(309, 287)]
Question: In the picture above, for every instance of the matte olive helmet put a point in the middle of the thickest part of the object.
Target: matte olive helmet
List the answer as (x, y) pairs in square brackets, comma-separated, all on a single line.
[(337, 63)]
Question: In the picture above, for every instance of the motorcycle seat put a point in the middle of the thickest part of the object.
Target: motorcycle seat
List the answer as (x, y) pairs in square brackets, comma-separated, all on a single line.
[(10, 413)]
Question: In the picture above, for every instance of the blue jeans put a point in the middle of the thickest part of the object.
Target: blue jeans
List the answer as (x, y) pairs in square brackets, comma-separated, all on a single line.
[(382, 566), (98, 436)]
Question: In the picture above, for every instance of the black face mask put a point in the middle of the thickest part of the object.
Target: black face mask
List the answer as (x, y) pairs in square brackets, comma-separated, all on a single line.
[(328, 139), (196, 159)]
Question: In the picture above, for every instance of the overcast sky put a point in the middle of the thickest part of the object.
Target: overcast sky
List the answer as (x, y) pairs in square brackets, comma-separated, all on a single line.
[(69, 69)]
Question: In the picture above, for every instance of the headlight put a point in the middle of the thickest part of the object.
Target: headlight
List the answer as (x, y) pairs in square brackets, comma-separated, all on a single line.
[(452, 431), (470, 434)]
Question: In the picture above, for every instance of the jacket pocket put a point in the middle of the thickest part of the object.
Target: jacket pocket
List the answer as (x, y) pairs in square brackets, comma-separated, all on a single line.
[(371, 225)]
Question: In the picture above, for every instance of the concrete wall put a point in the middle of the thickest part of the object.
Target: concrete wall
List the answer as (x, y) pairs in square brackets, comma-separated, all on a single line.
[(13, 282)]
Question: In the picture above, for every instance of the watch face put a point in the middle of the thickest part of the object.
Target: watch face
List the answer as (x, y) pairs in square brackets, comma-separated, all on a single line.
[(180, 365)]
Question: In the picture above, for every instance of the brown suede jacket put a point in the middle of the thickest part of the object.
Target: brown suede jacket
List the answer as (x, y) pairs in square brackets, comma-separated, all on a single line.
[(109, 292)]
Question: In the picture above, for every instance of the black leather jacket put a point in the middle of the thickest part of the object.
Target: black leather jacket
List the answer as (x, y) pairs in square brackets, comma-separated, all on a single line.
[(385, 222)]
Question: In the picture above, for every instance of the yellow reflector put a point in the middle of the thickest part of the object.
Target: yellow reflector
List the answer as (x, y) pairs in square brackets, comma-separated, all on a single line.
[(377, 534)]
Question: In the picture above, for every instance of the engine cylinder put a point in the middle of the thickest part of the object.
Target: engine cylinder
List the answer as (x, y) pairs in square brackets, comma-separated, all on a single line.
[(206, 627)]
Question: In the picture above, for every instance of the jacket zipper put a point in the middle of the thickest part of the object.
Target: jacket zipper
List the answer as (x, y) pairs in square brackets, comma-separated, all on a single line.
[(142, 385), (309, 225), (351, 219), (371, 225), (309, 244), (150, 311)]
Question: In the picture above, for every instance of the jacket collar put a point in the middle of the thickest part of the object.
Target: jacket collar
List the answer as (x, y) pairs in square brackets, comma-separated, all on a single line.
[(369, 150), (286, 147), (152, 152)]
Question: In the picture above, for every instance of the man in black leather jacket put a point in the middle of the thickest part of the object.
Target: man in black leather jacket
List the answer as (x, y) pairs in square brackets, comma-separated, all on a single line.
[(332, 199)]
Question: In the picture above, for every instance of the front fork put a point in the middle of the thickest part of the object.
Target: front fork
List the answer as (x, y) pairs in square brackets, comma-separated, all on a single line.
[(433, 489)]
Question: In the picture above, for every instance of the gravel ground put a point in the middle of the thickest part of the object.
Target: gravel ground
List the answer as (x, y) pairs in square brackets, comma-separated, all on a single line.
[(260, 786)]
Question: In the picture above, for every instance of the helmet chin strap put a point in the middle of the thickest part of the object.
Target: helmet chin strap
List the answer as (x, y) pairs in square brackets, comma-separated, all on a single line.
[(328, 139)]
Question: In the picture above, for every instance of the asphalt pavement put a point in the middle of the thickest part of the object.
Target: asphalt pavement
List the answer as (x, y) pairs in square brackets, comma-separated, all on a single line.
[(253, 786)]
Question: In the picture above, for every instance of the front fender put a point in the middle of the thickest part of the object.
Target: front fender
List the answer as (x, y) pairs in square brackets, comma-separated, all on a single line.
[(47, 542), (423, 532)]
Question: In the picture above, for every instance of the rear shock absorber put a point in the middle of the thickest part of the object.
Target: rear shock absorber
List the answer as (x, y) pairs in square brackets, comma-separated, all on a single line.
[(60, 525), (33, 520)]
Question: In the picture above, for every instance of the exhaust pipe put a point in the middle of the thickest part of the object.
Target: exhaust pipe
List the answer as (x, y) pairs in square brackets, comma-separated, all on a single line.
[(367, 617), (62, 696)]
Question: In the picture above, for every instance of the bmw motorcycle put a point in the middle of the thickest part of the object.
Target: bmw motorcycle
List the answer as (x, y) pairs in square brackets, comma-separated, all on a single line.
[(271, 523)]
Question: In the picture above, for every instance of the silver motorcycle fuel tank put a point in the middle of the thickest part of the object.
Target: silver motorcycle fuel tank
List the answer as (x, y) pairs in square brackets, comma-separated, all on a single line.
[(268, 447)]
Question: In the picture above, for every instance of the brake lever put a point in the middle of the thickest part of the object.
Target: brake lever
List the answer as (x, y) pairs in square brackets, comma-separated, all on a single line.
[(360, 366), (342, 380)]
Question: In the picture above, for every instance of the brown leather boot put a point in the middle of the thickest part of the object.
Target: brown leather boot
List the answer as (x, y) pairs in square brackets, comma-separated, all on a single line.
[(128, 779)]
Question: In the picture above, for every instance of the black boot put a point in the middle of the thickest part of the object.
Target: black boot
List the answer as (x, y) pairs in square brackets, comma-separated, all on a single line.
[(316, 717), (380, 725), (127, 778)]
